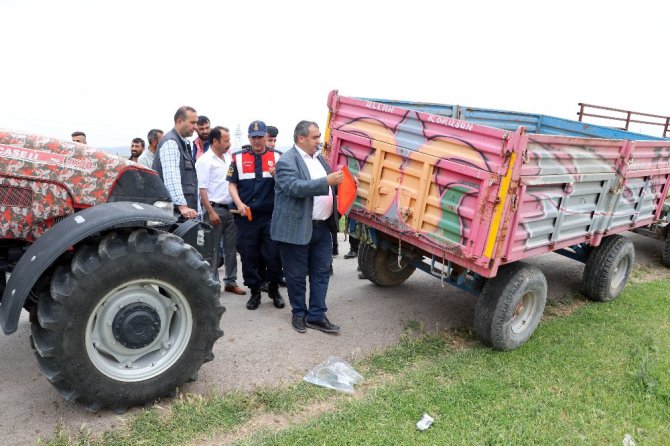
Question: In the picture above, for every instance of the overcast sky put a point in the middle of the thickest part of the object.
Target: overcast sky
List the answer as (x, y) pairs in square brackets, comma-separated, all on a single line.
[(116, 69)]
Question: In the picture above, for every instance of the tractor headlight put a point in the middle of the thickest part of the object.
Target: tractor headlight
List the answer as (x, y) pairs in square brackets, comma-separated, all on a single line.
[(165, 205)]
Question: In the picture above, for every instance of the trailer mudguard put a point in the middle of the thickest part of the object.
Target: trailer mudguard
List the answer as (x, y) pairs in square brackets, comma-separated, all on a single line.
[(54, 242)]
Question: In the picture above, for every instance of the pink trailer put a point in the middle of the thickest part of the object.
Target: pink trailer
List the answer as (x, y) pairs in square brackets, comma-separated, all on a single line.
[(466, 202)]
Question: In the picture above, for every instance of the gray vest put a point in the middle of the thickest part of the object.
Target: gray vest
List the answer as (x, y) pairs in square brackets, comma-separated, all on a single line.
[(189, 180)]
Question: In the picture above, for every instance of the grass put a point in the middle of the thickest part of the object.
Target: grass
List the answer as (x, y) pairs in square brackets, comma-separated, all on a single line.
[(587, 378), (188, 416)]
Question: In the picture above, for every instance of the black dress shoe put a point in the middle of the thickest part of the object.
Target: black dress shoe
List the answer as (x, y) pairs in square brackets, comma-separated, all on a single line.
[(351, 255), (323, 325), (298, 324), (277, 300), (255, 300), (264, 287), (282, 282)]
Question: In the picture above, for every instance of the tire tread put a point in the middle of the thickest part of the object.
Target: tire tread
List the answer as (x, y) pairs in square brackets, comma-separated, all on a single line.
[(666, 250), (596, 277), (372, 263), (52, 325), (498, 295)]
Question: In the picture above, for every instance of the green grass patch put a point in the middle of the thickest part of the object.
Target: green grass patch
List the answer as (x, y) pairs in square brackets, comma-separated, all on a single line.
[(288, 400), (587, 378), (406, 353), (414, 326), (639, 272), (178, 423)]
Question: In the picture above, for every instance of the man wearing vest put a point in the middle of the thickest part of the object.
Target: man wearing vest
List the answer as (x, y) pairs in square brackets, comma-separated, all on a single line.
[(252, 187), (174, 163)]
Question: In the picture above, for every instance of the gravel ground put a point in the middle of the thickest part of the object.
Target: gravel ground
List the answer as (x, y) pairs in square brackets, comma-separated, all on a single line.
[(261, 349)]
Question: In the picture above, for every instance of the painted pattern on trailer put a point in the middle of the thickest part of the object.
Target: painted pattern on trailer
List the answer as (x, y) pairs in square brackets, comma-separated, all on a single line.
[(62, 176), (410, 139), (564, 189), (578, 190)]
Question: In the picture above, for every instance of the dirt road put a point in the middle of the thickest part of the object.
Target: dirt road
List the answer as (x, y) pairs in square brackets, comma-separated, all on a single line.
[(261, 348)]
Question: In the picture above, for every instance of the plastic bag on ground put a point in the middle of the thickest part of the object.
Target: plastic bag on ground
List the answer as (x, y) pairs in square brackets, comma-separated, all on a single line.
[(334, 373), (425, 422)]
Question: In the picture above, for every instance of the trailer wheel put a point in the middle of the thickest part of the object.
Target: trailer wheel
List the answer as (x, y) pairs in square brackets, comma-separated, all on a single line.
[(510, 307), (380, 266), (666, 250), (607, 268), (127, 321)]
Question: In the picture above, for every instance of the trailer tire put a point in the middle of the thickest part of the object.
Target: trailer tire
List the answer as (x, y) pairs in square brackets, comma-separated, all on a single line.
[(380, 266), (608, 268), (666, 250), (510, 306), (127, 320)]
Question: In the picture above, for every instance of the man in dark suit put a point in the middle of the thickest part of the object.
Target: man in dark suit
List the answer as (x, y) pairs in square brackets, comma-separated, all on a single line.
[(304, 204)]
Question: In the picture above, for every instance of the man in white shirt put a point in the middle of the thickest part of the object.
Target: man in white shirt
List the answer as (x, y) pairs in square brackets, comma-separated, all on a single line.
[(304, 207), (147, 156), (212, 167)]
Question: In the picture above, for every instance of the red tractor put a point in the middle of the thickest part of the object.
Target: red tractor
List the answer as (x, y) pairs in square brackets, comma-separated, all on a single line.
[(119, 293)]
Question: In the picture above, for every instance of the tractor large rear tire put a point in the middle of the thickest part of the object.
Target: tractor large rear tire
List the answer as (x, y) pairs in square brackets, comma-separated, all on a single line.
[(380, 266), (510, 306), (128, 320), (608, 268)]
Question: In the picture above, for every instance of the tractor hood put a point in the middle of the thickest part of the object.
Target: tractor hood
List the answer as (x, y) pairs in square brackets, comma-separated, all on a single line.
[(88, 173)]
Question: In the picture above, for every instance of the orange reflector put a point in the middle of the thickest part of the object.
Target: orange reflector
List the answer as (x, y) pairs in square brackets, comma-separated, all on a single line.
[(346, 192)]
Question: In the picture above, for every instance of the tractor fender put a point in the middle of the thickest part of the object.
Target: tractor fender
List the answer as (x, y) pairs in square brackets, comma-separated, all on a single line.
[(198, 234), (59, 238)]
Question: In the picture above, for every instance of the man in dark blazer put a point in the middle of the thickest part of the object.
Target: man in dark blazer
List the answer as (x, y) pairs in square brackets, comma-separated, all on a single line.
[(304, 204)]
